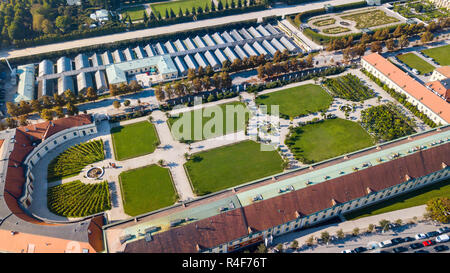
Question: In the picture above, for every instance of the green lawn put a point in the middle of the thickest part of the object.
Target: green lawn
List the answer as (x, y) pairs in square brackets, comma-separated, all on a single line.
[(440, 54), (238, 119), (414, 61), (146, 189), (410, 199), (297, 101), (229, 166), (176, 5), (328, 139), (134, 140), (136, 13)]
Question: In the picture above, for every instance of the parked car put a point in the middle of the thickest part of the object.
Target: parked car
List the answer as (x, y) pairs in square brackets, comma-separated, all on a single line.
[(416, 245), (386, 243), (432, 234), (428, 243), (348, 251), (440, 248), (420, 236), (360, 249), (400, 249), (442, 238), (397, 241), (421, 251), (409, 239), (443, 230)]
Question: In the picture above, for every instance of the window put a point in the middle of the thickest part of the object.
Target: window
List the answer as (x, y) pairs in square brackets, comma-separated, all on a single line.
[(54, 142), (74, 133), (64, 137), (46, 148)]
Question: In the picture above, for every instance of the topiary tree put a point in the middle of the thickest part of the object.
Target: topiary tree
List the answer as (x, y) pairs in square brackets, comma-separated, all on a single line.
[(325, 236), (340, 234), (116, 104)]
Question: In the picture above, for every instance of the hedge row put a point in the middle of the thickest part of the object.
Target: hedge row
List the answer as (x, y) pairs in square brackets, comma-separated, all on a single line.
[(74, 159), (75, 199)]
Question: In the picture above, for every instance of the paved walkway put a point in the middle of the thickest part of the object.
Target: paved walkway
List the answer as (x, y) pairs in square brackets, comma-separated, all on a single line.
[(150, 32)]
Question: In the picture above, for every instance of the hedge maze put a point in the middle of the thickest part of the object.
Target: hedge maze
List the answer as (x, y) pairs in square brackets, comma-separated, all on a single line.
[(75, 199), (73, 160), (349, 87)]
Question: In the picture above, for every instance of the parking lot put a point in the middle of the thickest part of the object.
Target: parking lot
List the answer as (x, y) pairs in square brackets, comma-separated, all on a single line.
[(368, 240)]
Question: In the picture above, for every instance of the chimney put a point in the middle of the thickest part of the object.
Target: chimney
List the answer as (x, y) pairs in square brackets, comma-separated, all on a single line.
[(407, 177), (250, 230), (333, 202), (198, 248), (297, 214), (369, 190), (444, 165)]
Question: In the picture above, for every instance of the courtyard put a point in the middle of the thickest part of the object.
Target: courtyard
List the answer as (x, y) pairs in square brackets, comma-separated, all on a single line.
[(229, 166), (146, 189), (134, 140)]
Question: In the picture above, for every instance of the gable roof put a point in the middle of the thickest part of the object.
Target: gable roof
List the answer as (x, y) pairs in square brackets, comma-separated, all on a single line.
[(409, 85)]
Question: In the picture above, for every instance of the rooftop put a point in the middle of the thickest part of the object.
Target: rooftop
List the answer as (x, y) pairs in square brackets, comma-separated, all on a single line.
[(444, 70), (436, 104)]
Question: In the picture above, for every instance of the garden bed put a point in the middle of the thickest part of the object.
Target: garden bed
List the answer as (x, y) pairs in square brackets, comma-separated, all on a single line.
[(349, 87), (370, 18), (335, 30), (75, 199)]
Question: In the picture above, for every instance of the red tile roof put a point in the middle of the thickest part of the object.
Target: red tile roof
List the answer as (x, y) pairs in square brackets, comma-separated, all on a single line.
[(444, 70), (411, 86), (440, 88)]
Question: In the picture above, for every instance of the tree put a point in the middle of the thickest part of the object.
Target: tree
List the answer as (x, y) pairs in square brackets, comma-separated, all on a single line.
[(126, 103), (279, 247), (23, 120), (59, 112), (135, 86), (91, 94), (161, 162), (63, 23), (47, 114), (438, 209), (12, 109), (59, 100), (36, 105), (159, 93), (325, 236), (426, 37), (261, 249), (376, 47), (310, 241), (370, 228), (403, 41), (384, 224), (113, 90), (390, 44), (71, 109), (340, 234), (191, 74), (11, 123), (294, 244), (70, 96), (355, 231), (116, 104)]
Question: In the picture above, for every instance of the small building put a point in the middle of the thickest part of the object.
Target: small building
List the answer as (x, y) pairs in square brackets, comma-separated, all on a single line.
[(96, 60), (441, 73), (149, 50), (140, 54), (63, 64), (208, 40), (271, 29), (182, 67), (65, 83), (100, 81), (45, 68), (161, 49), (170, 47), (200, 60), (250, 51), (118, 56), (245, 34), (84, 81), (212, 60), (441, 88), (277, 45), (236, 35), (190, 62), (199, 42), (45, 88), (219, 40), (230, 54), (25, 87), (180, 46), (189, 44), (81, 61), (220, 56), (290, 46), (240, 52), (227, 37), (268, 46), (263, 30), (254, 32), (261, 50), (100, 15), (107, 58)]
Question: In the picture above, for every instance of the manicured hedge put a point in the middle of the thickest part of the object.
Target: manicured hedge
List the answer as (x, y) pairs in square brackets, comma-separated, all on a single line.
[(74, 159), (75, 199)]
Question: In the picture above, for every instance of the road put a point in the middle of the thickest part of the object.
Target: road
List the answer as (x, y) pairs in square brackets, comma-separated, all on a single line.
[(276, 10)]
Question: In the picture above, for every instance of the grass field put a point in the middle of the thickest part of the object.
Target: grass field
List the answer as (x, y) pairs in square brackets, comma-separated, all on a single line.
[(414, 61), (440, 54), (370, 19), (176, 5), (237, 125), (328, 139), (134, 140), (410, 199), (229, 166), (146, 189), (136, 13), (297, 101)]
